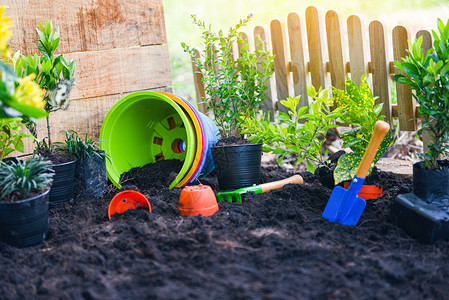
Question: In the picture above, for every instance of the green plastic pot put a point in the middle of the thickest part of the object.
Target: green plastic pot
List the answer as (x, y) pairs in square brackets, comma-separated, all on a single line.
[(145, 127)]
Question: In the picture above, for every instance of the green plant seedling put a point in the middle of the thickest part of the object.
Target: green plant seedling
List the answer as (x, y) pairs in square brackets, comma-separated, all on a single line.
[(23, 177), (428, 76), (54, 74), (291, 136), (358, 109), (234, 87), (77, 147)]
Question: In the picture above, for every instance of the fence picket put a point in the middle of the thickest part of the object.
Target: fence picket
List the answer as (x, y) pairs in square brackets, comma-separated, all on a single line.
[(315, 42), (426, 40), (291, 60), (406, 103), (281, 61), (335, 49), (357, 56), (298, 62), (380, 66), (199, 86), (267, 105), (247, 38)]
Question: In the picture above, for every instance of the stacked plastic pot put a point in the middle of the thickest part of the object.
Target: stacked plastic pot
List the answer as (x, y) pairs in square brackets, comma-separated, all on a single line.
[(148, 126)]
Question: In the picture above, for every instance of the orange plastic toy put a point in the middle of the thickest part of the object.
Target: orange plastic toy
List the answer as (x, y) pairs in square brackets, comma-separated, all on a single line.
[(368, 192), (127, 200), (198, 200)]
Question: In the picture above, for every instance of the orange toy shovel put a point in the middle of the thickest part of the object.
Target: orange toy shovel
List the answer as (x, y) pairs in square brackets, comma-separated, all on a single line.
[(344, 206)]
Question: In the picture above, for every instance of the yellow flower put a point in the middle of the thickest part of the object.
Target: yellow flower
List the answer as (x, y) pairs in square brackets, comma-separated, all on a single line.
[(29, 93), (5, 32)]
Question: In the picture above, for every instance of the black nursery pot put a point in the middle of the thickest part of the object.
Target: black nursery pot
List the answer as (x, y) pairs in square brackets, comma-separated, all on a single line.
[(62, 188), (424, 214), (90, 176), (432, 185), (24, 223), (237, 165)]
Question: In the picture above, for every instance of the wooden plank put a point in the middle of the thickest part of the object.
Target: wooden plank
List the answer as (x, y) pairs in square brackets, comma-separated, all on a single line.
[(406, 103), (88, 24), (115, 71), (283, 77), (83, 116), (198, 82), (315, 42), (298, 61), (267, 105), (357, 55), (335, 49), (380, 67)]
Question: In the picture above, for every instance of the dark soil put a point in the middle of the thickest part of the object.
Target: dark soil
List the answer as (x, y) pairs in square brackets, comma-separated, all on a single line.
[(271, 246), (232, 141), (56, 157)]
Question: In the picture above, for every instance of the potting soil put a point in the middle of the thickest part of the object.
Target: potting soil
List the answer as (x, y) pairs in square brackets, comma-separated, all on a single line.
[(271, 246)]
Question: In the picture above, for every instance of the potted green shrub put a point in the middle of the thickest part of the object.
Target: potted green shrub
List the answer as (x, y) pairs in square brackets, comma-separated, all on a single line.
[(300, 132), (358, 110), (55, 76), (90, 173), (234, 88), (24, 193), (424, 213)]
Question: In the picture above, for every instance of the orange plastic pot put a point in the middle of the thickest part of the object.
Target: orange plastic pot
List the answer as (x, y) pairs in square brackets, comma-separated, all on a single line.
[(198, 200), (368, 192), (127, 200)]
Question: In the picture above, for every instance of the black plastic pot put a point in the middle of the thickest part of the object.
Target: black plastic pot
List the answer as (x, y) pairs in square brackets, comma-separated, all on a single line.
[(424, 214), (62, 188), (238, 165), (90, 176), (25, 223), (432, 186), (325, 174)]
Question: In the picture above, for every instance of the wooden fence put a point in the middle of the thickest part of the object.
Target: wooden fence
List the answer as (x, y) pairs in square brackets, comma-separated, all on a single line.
[(119, 47), (316, 54)]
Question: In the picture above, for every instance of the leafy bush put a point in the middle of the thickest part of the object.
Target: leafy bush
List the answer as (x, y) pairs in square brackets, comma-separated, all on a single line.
[(428, 76), (23, 177), (233, 87), (358, 109), (290, 137), (77, 147)]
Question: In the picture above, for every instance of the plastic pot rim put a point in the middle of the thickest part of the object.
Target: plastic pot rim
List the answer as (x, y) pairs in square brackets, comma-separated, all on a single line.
[(47, 191), (114, 174)]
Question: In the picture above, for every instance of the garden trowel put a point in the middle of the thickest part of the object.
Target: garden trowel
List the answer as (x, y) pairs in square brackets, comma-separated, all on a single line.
[(258, 189), (344, 206)]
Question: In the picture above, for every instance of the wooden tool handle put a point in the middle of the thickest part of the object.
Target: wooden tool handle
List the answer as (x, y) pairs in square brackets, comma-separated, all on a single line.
[(380, 130), (275, 185)]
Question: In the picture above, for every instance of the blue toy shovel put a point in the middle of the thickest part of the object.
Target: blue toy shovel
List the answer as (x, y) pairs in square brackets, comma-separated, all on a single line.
[(344, 206)]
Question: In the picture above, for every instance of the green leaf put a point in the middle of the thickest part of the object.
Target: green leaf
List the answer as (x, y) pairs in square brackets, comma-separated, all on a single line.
[(283, 117), (280, 159), (19, 146), (347, 166), (310, 166), (410, 69)]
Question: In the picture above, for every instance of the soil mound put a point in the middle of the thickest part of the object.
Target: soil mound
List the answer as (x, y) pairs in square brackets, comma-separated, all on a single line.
[(271, 246)]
